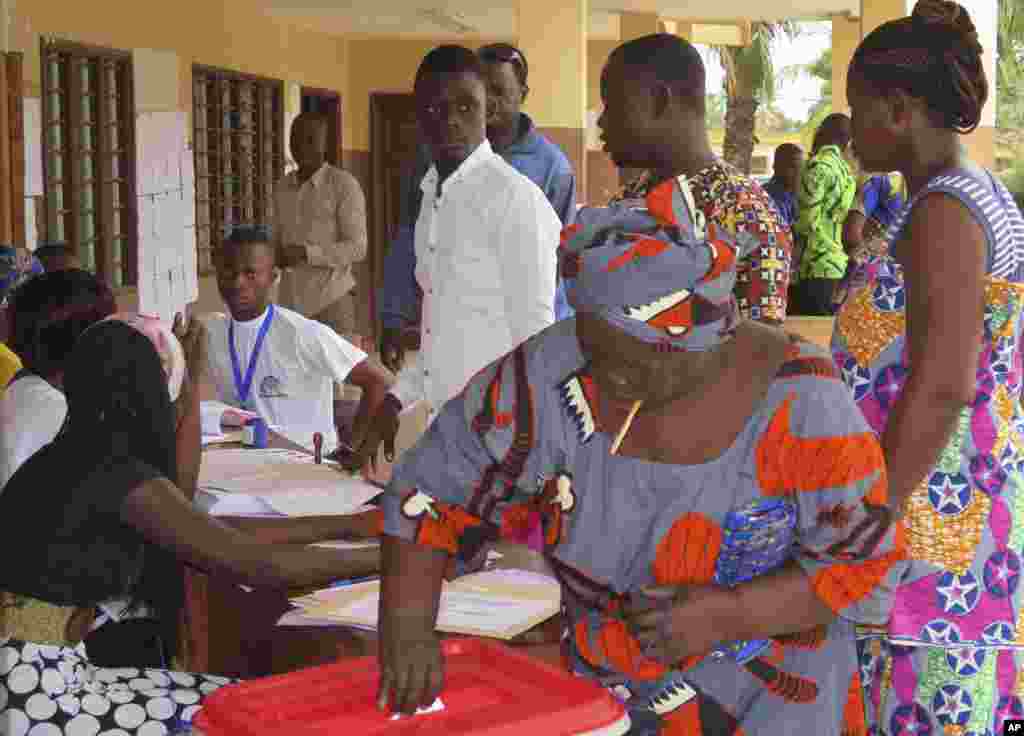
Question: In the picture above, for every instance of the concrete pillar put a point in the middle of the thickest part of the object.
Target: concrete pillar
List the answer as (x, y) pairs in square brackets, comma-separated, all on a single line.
[(635, 25), (553, 35), (845, 37), (874, 13), (981, 144)]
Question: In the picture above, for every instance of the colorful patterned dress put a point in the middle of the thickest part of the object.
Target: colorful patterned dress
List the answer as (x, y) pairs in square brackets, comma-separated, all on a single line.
[(738, 204), (950, 659), (803, 480)]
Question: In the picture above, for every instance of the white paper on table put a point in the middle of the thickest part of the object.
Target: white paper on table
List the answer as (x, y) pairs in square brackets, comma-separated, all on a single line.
[(231, 504), (434, 707), (460, 610), (298, 618), (222, 438), (346, 544), (498, 603), (288, 481)]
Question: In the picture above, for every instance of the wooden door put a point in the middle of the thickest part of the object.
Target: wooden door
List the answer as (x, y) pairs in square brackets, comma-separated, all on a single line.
[(328, 104), (394, 139)]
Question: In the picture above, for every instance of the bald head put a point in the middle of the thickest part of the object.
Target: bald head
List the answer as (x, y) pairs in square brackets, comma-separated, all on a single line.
[(308, 142), (653, 94)]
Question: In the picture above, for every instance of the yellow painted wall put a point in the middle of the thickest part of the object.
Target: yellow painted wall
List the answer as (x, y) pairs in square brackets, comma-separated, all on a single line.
[(390, 65), (845, 39), (222, 33), (597, 54), (377, 66)]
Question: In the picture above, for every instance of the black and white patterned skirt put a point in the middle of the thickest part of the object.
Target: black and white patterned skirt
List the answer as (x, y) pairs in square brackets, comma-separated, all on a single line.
[(55, 691)]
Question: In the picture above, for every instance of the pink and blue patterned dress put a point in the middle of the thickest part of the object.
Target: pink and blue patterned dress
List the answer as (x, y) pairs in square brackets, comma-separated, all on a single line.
[(950, 659)]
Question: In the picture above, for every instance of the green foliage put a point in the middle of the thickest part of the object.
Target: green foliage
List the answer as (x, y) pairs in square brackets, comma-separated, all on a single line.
[(1010, 66), (1014, 181)]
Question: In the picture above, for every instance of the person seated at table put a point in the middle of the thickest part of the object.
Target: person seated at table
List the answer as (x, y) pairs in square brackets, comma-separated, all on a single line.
[(98, 516), (712, 565), (45, 317), (276, 362)]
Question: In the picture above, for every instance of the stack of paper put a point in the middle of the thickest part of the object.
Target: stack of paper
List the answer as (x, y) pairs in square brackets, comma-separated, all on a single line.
[(501, 604), (250, 481)]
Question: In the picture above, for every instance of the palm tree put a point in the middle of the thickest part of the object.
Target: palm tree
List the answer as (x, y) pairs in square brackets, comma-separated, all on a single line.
[(1010, 65), (749, 81)]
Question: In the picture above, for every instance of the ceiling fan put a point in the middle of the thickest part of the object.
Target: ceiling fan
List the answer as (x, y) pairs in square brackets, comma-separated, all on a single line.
[(448, 21)]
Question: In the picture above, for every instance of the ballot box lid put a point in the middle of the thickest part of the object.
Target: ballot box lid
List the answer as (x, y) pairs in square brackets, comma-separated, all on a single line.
[(490, 690)]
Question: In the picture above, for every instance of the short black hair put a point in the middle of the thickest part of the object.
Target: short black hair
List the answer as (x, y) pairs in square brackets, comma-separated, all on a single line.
[(52, 249), (835, 130), (506, 53), (785, 150), (666, 59), (48, 312), (310, 117), (244, 234), (449, 59), (247, 236)]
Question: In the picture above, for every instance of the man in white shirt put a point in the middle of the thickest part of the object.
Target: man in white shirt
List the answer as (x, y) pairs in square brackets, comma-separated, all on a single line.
[(486, 241), (319, 229), (271, 360)]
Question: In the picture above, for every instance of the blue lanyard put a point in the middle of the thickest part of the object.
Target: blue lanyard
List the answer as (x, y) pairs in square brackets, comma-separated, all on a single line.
[(243, 387)]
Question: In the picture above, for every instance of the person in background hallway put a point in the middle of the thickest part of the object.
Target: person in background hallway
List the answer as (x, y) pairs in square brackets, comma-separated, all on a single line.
[(320, 230), (785, 181), (17, 264), (486, 239), (721, 194), (865, 233), (286, 366), (514, 137), (827, 189), (929, 343), (45, 317), (56, 256)]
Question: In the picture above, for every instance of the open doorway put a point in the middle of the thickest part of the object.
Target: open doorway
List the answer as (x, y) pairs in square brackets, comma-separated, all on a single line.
[(326, 103), (394, 139)]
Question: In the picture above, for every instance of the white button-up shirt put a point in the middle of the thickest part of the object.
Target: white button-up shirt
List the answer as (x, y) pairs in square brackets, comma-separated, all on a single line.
[(327, 216), (486, 261)]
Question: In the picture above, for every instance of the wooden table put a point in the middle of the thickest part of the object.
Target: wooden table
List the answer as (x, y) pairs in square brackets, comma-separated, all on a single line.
[(234, 633)]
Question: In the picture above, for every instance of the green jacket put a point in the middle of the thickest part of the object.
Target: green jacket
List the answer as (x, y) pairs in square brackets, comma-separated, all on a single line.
[(827, 190)]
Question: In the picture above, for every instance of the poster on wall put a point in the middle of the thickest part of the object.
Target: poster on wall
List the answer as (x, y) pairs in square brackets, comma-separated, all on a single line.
[(165, 182)]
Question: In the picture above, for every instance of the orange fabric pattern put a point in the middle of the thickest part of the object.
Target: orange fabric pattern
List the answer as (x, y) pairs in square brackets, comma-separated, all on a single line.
[(787, 463)]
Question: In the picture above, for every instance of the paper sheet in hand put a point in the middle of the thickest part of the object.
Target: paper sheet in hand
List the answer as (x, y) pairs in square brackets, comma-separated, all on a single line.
[(287, 481), (498, 603)]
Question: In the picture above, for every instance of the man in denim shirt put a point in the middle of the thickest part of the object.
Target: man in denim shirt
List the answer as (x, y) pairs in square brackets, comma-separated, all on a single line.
[(515, 138)]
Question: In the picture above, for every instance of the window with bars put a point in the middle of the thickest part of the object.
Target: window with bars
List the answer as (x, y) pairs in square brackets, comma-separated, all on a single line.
[(239, 152), (89, 156)]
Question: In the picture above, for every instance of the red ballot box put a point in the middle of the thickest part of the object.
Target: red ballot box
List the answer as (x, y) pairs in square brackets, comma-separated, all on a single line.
[(490, 690)]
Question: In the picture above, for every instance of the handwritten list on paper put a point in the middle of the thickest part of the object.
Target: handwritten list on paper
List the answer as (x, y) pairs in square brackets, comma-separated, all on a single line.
[(165, 178)]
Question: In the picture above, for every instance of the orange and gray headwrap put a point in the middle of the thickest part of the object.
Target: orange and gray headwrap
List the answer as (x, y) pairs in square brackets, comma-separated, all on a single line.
[(658, 273)]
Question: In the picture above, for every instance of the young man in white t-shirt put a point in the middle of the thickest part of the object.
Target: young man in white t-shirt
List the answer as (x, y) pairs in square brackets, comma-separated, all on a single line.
[(276, 362)]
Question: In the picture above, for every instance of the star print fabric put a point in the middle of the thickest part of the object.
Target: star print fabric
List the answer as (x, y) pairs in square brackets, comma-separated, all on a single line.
[(950, 659)]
